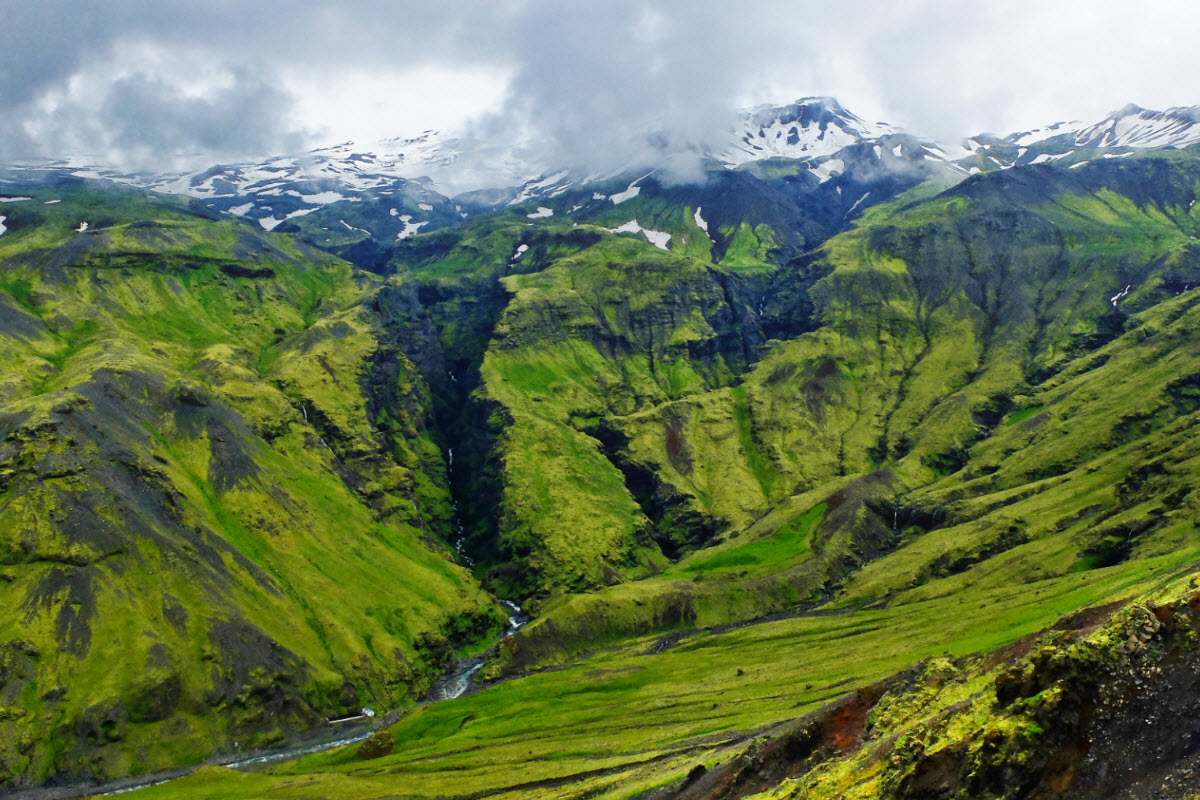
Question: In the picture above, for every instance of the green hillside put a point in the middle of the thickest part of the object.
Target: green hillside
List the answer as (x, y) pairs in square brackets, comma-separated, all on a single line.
[(800, 503), (204, 507)]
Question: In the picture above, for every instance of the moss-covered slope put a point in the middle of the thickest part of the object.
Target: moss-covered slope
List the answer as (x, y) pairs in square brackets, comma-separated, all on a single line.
[(1002, 379), (211, 528)]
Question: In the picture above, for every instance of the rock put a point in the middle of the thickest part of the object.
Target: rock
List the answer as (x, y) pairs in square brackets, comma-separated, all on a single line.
[(377, 745)]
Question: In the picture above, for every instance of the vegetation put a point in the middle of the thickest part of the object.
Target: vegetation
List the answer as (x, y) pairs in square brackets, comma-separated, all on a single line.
[(201, 521), (916, 456)]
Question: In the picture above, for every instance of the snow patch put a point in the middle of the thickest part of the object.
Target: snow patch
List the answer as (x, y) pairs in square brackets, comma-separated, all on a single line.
[(51, 202), (631, 192), (857, 203), (534, 188), (898, 151), (598, 196), (83, 226), (659, 239), (323, 198), (878, 151), (620, 197), (269, 223), (300, 212), (394, 212), (541, 213), (1120, 295), (521, 250), (14, 199), (409, 227), (240, 211), (700, 222), (351, 227), (834, 166), (2, 228), (425, 206)]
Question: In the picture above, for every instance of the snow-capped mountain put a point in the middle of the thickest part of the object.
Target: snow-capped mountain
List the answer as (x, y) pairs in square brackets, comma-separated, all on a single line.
[(447, 163), (812, 127), (1131, 126), (411, 180)]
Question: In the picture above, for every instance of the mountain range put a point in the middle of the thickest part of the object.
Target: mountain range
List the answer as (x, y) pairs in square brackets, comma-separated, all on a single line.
[(845, 463)]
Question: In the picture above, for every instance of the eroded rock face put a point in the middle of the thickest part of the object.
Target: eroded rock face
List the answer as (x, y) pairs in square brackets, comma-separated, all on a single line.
[(1142, 740)]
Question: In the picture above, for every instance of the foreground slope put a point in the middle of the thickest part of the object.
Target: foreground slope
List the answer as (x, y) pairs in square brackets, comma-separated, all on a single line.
[(210, 529)]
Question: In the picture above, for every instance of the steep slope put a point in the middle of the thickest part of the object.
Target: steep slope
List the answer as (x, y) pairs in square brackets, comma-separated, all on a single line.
[(958, 352), (591, 306), (658, 712), (214, 470), (744, 445), (584, 322)]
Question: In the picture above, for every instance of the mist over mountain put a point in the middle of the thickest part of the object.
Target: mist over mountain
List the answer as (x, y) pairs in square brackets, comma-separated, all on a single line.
[(167, 88)]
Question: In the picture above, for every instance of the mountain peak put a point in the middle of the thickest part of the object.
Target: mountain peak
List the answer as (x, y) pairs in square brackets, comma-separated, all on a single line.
[(1131, 126), (810, 127), (1128, 110)]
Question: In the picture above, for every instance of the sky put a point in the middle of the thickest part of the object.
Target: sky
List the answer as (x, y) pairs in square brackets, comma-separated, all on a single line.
[(174, 84)]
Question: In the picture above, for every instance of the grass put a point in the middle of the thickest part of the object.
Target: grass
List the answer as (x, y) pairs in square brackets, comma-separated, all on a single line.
[(864, 458), (684, 706), (788, 545), (167, 421)]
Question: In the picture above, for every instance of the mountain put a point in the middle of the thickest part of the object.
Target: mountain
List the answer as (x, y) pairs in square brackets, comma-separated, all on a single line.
[(214, 465), (1131, 126), (868, 472), (356, 199), (811, 127)]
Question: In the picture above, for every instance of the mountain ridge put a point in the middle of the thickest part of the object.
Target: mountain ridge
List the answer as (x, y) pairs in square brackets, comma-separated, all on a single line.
[(808, 128)]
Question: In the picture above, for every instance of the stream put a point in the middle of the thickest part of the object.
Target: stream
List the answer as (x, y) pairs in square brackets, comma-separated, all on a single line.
[(460, 680), (455, 683)]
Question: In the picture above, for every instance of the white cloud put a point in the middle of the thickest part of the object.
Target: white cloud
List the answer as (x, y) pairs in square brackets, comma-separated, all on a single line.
[(580, 80)]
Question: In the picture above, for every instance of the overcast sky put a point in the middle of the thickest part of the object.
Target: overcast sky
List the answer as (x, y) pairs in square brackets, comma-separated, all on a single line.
[(162, 83)]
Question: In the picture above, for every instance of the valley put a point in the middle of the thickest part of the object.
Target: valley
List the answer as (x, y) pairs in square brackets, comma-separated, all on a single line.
[(863, 479)]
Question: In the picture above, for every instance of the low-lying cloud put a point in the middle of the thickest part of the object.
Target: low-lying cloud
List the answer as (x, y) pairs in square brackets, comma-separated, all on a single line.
[(154, 85)]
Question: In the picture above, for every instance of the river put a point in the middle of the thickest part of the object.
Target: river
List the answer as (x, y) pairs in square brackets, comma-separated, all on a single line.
[(455, 683)]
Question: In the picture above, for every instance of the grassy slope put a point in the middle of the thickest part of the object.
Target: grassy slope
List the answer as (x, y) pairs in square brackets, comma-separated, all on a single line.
[(626, 720), (1028, 479), (593, 324), (192, 489), (910, 380)]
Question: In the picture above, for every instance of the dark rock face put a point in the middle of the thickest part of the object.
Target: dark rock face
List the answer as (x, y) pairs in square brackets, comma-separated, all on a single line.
[(1141, 740)]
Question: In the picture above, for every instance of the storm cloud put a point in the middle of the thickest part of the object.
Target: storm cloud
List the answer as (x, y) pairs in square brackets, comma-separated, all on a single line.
[(158, 85)]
